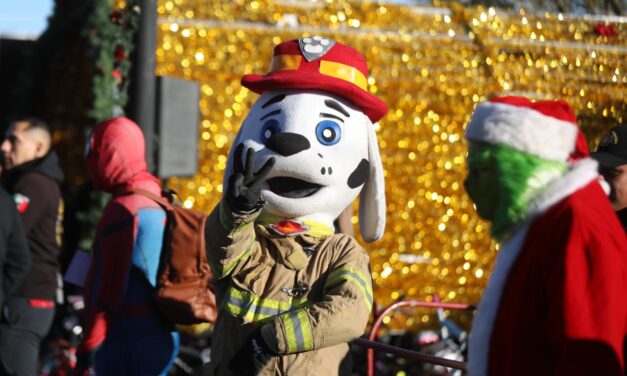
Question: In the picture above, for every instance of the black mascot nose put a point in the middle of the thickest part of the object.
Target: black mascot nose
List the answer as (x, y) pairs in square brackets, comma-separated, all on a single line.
[(287, 144)]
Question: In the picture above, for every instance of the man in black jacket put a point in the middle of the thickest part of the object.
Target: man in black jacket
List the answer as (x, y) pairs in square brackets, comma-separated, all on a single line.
[(32, 177), (14, 255), (612, 157)]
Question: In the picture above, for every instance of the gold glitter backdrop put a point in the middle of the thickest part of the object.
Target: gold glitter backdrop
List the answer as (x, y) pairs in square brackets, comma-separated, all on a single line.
[(431, 65)]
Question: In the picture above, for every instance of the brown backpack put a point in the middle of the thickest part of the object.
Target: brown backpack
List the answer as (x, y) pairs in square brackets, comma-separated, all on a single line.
[(184, 293)]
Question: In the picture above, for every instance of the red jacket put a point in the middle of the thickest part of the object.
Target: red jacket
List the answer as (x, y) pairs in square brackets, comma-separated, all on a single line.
[(556, 303)]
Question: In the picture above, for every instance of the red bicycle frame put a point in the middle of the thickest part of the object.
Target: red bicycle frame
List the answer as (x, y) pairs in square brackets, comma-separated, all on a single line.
[(371, 344)]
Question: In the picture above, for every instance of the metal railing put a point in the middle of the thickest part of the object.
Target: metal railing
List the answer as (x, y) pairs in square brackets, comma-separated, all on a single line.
[(372, 345)]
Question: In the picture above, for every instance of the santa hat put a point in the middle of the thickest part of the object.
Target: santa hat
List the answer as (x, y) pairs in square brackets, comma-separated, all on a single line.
[(546, 129), (581, 148), (319, 63)]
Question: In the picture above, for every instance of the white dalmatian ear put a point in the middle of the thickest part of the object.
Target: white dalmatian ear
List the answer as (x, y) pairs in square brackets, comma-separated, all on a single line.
[(372, 207)]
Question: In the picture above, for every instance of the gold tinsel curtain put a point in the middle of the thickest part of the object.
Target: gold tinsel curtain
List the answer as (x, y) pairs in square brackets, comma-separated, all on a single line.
[(431, 65)]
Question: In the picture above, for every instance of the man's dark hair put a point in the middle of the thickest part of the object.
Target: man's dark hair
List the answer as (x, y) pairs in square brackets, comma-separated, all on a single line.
[(33, 123), (38, 126)]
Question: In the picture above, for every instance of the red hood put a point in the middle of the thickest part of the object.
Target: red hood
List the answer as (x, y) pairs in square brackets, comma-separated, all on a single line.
[(116, 158)]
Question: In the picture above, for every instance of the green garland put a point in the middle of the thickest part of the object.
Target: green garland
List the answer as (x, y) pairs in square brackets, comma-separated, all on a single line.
[(110, 32)]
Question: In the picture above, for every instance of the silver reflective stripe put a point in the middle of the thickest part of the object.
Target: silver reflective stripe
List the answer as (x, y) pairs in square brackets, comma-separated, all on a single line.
[(298, 332)]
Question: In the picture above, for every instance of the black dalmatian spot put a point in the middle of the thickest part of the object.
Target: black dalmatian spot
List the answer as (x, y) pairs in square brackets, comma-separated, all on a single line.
[(359, 174)]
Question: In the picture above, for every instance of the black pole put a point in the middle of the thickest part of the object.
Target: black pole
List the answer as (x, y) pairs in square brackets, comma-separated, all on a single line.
[(408, 354), (143, 84)]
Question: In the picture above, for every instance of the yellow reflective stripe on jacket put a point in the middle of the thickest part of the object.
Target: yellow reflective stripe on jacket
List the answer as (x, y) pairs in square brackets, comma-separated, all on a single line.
[(221, 271), (354, 275), (298, 334), (253, 308)]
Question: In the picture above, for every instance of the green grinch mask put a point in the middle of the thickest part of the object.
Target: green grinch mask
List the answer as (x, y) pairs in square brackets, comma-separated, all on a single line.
[(502, 182)]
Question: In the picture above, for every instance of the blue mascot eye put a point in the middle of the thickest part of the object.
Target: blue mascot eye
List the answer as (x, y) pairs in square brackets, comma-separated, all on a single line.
[(269, 128), (328, 132)]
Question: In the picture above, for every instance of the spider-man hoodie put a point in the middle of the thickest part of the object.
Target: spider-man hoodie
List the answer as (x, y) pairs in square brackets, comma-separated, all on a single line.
[(120, 311)]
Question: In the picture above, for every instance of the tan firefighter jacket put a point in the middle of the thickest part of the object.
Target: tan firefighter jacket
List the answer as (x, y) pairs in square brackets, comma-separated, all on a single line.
[(311, 292)]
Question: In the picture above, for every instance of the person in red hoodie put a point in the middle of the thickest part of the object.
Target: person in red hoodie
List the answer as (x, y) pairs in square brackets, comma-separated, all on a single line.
[(556, 302), (125, 332)]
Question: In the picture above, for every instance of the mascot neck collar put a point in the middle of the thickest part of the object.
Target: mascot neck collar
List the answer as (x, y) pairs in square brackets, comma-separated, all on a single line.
[(294, 226)]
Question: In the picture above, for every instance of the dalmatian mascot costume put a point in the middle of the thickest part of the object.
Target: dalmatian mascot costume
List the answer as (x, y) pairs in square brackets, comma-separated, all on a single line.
[(292, 293)]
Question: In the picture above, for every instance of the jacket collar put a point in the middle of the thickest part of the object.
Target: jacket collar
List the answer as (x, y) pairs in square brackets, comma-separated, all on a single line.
[(47, 165), (286, 227), (578, 176), (293, 251)]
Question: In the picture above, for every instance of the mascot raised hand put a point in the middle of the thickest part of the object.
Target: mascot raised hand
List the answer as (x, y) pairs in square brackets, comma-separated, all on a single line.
[(293, 293)]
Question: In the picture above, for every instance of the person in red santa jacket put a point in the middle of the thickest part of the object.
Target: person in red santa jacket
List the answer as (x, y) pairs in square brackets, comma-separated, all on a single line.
[(556, 302)]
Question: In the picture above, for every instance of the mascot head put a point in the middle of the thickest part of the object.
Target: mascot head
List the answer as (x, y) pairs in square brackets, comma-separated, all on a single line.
[(517, 147), (316, 118)]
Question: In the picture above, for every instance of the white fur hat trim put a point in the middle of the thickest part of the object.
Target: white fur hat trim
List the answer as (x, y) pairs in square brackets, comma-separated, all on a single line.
[(523, 129)]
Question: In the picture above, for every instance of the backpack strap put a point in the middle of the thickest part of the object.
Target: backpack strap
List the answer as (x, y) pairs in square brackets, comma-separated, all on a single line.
[(164, 202)]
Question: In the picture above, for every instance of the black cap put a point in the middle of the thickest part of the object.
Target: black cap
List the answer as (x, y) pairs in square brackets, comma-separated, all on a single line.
[(612, 150)]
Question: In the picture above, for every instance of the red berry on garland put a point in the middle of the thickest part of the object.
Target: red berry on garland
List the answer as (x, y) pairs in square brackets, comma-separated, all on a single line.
[(118, 78), (116, 74), (116, 17), (119, 53), (606, 30)]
